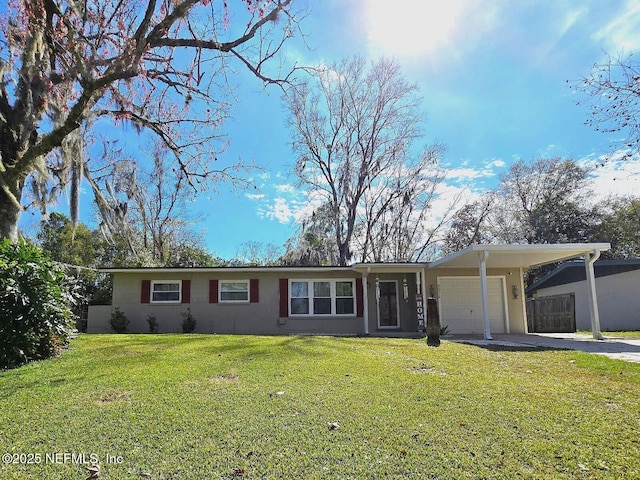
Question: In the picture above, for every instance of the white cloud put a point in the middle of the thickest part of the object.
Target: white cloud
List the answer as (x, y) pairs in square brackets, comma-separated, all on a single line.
[(280, 211), (497, 164), (621, 33), (285, 188), (615, 177), (466, 173), (254, 196)]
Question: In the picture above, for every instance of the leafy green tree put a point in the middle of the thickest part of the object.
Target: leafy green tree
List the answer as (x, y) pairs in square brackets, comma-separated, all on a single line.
[(68, 244), (620, 226), (36, 297), (543, 201), (314, 244)]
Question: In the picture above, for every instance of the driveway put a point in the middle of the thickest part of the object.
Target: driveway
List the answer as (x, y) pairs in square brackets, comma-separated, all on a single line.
[(613, 347)]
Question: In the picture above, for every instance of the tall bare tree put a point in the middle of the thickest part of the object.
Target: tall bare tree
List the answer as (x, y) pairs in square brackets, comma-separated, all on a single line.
[(151, 199), (612, 91), (353, 127), (158, 65)]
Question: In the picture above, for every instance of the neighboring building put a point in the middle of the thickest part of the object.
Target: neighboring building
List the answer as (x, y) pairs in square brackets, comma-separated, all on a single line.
[(479, 290), (618, 286)]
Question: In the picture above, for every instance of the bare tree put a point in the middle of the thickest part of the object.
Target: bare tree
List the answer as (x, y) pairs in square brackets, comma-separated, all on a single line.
[(353, 128), (160, 66), (399, 223), (613, 94), (151, 201), (468, 224)]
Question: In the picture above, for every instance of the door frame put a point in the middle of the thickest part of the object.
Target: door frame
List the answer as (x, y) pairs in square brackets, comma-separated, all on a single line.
[(389, 327)]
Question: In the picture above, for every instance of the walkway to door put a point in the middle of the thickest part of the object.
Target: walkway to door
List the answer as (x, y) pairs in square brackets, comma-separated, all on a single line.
[(614, 347)]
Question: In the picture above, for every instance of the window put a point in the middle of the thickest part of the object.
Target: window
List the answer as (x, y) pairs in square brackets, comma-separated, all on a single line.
[(166, 291), (234, 291), (322, 297), (299, 298), (344, 298)]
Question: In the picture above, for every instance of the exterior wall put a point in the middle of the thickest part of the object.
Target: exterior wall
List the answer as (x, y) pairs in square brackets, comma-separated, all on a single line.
[(99, 316), (264, 317), (241, 318), (408, 318), (618, 301)]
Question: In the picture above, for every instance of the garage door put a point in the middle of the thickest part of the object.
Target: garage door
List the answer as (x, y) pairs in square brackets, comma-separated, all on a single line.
[(461, 304)]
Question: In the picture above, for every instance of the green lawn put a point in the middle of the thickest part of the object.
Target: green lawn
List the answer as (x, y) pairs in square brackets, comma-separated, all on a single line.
[(210, 406)]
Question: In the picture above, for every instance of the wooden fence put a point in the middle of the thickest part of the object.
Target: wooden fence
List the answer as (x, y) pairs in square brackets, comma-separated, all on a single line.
[(552, 314)]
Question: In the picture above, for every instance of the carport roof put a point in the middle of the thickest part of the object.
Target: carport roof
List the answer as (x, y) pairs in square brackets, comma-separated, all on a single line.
[(517, 256)]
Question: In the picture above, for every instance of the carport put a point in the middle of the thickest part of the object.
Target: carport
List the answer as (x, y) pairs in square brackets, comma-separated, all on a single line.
[(522, 257)]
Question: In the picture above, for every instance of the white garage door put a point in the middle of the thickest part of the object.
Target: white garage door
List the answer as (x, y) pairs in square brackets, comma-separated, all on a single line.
[(460, 304)]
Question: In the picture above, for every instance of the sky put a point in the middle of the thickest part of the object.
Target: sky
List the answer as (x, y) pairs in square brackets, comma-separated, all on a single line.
[(493, 76)]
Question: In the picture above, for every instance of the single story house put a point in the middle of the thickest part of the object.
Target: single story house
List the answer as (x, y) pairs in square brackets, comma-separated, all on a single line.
[(479, 290), (618, 286)]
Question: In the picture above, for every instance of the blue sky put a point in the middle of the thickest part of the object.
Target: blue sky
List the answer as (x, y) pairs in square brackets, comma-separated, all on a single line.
[(493, 77)]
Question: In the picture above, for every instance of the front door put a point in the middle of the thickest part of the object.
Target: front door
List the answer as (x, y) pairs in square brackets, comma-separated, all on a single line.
[(388, 305)]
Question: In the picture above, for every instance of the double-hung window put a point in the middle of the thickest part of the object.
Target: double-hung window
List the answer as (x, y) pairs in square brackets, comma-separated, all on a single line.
[(234, 291), (166, 291), (322, 297)]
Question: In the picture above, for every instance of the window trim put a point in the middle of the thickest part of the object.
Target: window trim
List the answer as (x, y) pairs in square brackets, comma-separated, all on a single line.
[(248, 284), (151, 291), (333, 295)]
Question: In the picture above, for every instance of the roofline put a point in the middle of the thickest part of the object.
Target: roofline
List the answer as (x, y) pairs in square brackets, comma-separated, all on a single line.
[(585, 247), (571, 264), (389, 267), (220, 269)]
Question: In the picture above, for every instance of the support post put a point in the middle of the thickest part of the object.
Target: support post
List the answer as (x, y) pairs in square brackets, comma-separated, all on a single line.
[(589, 260), (483, 293), (365, 301)]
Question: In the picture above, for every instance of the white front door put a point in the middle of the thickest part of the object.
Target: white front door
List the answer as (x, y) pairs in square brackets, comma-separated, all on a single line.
[(388, 313)]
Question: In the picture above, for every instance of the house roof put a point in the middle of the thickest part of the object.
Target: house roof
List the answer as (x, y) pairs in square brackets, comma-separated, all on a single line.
[(499, 256), (571, 272), (223, 269), (517, 256)]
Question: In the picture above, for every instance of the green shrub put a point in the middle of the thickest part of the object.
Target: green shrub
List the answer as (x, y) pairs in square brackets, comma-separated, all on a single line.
[(118, 321), (36, 300), (188, 322), (153, 323)]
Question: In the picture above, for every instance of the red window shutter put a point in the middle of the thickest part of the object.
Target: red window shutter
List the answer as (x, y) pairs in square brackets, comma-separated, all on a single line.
[(213, 291), (254, 290), (284, 297), (145, 291), (359, 298), (186, 291)]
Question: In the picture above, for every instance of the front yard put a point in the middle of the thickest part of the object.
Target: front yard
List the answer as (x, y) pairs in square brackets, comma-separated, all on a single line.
[(211, 406)]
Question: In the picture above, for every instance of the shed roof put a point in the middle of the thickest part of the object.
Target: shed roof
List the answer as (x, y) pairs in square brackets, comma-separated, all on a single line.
[(571, 272)]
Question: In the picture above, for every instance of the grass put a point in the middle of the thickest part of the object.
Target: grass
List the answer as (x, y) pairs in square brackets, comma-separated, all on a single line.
[(632, 334), (210, 406)]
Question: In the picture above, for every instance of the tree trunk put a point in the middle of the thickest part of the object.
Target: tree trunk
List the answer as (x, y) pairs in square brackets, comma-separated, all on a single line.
[(10, 214), (344, 254)]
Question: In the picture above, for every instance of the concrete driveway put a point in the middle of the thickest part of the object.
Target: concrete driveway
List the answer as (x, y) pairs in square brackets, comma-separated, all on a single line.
[(613, 347)]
